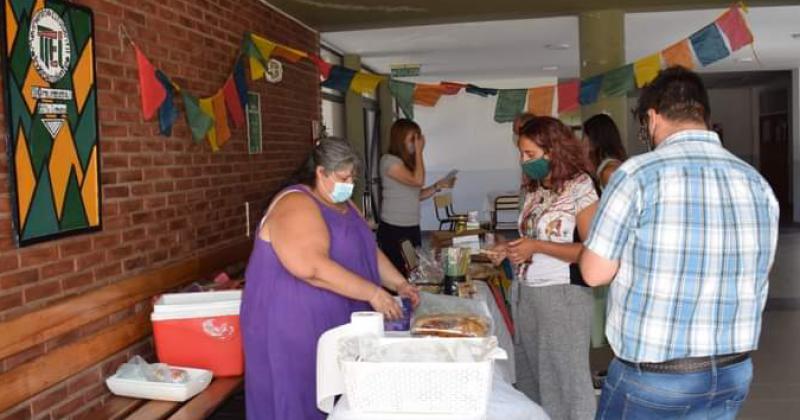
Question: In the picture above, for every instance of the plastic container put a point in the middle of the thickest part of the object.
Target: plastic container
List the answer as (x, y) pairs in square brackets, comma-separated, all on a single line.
[(200, 330), (425, 388), (199, 379)]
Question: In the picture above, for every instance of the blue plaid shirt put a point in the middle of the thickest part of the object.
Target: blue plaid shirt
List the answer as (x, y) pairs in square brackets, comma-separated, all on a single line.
[(694, 229)]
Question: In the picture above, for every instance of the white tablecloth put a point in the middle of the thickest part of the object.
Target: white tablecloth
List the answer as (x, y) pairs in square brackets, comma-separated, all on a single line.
[(505, 403)]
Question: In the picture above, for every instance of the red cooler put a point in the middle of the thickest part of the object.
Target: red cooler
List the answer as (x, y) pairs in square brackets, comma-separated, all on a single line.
[(200, 330)]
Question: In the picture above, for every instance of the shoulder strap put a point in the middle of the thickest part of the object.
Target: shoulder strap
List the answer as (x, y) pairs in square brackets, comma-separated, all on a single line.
[(275, 201)]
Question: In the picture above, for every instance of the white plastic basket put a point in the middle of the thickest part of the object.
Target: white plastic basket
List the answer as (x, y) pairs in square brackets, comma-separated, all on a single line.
[(431, 388)]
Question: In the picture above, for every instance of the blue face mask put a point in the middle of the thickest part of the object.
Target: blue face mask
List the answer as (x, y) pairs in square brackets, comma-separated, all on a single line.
[(342, 191)]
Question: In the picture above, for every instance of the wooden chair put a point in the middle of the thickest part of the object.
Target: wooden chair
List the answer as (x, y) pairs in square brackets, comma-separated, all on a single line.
[(504, 203), (443, 206)]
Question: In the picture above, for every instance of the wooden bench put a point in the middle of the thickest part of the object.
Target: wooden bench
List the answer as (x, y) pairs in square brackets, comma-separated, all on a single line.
[(199, 407)]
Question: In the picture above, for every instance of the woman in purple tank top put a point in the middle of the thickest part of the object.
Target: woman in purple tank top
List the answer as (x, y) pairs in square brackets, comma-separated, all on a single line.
[(314, 262)]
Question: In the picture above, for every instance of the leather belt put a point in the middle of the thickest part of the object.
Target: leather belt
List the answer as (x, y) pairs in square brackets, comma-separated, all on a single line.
[(689, 364)]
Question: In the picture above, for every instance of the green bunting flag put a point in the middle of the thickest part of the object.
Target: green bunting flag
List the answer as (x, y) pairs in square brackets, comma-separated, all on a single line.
[(403, 93), (619, 82), (510, 103), (199, 122)]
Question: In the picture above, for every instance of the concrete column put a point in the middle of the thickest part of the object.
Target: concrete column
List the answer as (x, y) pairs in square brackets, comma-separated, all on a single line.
[(354, 125), (386, 104), (602, 48)]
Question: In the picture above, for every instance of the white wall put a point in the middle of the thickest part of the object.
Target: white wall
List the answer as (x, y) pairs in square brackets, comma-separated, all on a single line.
[(461, 134), (733, 110)]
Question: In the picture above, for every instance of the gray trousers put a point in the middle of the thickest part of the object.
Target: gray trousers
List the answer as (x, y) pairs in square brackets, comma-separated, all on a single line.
[(553, 326)]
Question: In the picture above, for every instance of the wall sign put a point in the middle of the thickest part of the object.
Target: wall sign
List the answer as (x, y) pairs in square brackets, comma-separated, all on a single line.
[(51, 105), (254, 141)]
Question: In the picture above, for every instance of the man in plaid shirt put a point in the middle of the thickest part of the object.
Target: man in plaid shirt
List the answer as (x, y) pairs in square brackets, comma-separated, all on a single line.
[(686, 235)]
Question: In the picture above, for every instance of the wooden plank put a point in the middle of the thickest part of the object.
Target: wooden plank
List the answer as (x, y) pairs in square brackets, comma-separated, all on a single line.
[(154, 410), (114, 408), (39, 374), (204, 404), (40, 326)]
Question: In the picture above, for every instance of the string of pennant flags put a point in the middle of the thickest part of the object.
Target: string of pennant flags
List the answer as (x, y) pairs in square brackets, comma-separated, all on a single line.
[(208, 117)]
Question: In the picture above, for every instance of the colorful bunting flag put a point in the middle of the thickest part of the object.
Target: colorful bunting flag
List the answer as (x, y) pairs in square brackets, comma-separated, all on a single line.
[(241, 82), (679, 54), (475, 90), (618, 82), (735, 28), (646, 69), (339, 79), (221, 128), (451, 88), (403, 93), (568, 96), (323, 66), (233, 102), (510, 103), (709, 45), (427, 95), (207, 108), (365, 83), (590, 89), (152, 92), (289, 54), (199, 122), (167, 113), (257, 70), (540, 100)]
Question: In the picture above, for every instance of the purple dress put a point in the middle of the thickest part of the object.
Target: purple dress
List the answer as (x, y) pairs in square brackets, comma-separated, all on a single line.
[(282, 318)]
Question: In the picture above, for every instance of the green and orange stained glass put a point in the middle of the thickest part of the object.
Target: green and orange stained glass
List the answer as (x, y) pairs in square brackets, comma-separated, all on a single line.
[(51, 109)]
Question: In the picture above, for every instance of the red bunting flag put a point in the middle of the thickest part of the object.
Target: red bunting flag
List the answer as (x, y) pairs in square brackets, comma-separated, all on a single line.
[(233, 102), (323, 66), (152, 91), (451, 88), (568, 95), (427, 95), (220, 119), (735, 28)]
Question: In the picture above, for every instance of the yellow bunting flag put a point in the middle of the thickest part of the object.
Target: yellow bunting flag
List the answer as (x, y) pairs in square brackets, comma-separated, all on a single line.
[(221, 118), (257, 70), (647, 69), (265, 46), (540, 100), (207, 105), (364, 83), (679, 54)]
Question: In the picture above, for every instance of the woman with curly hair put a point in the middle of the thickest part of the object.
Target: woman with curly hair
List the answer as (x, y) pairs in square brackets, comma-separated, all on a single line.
[(553, 308)]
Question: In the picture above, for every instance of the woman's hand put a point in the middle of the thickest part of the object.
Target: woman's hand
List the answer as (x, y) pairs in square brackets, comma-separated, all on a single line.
[(419, 143), (407, 290), (497, 254), (521, 250), (384, 303)]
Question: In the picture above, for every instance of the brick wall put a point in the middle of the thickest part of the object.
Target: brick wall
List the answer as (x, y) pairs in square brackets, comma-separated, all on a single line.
[(164, 199)]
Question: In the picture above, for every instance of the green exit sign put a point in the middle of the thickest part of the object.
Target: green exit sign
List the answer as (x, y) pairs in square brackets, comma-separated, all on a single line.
[(408, 70)]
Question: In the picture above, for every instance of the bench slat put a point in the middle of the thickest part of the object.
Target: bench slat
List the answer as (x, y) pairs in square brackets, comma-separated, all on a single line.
[(204, 404), (154, 410), (115, 408)]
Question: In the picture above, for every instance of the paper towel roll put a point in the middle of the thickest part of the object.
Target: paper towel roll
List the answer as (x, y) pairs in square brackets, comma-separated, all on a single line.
[(329, 377)]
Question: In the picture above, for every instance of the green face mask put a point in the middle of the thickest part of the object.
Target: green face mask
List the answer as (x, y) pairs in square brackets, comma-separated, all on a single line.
[(536, 169)]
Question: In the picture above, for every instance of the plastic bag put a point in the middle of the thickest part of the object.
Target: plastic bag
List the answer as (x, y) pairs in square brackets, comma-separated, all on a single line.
[(449, 316), (137, 368), (429, 269)]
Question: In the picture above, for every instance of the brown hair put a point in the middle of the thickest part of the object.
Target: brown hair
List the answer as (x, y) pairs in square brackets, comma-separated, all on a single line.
[(567, 156), (520, 120), (397, 144)]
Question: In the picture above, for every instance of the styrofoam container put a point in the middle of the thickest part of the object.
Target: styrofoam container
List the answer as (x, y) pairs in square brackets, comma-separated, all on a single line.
[(428, 388), (200, 330), (199, 379)]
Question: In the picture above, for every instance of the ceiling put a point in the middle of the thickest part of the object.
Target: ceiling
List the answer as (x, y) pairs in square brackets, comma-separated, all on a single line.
[(519, 49), (338, 15)]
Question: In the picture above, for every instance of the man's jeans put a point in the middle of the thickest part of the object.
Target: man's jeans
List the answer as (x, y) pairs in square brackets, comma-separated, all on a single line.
[(717, 393)]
